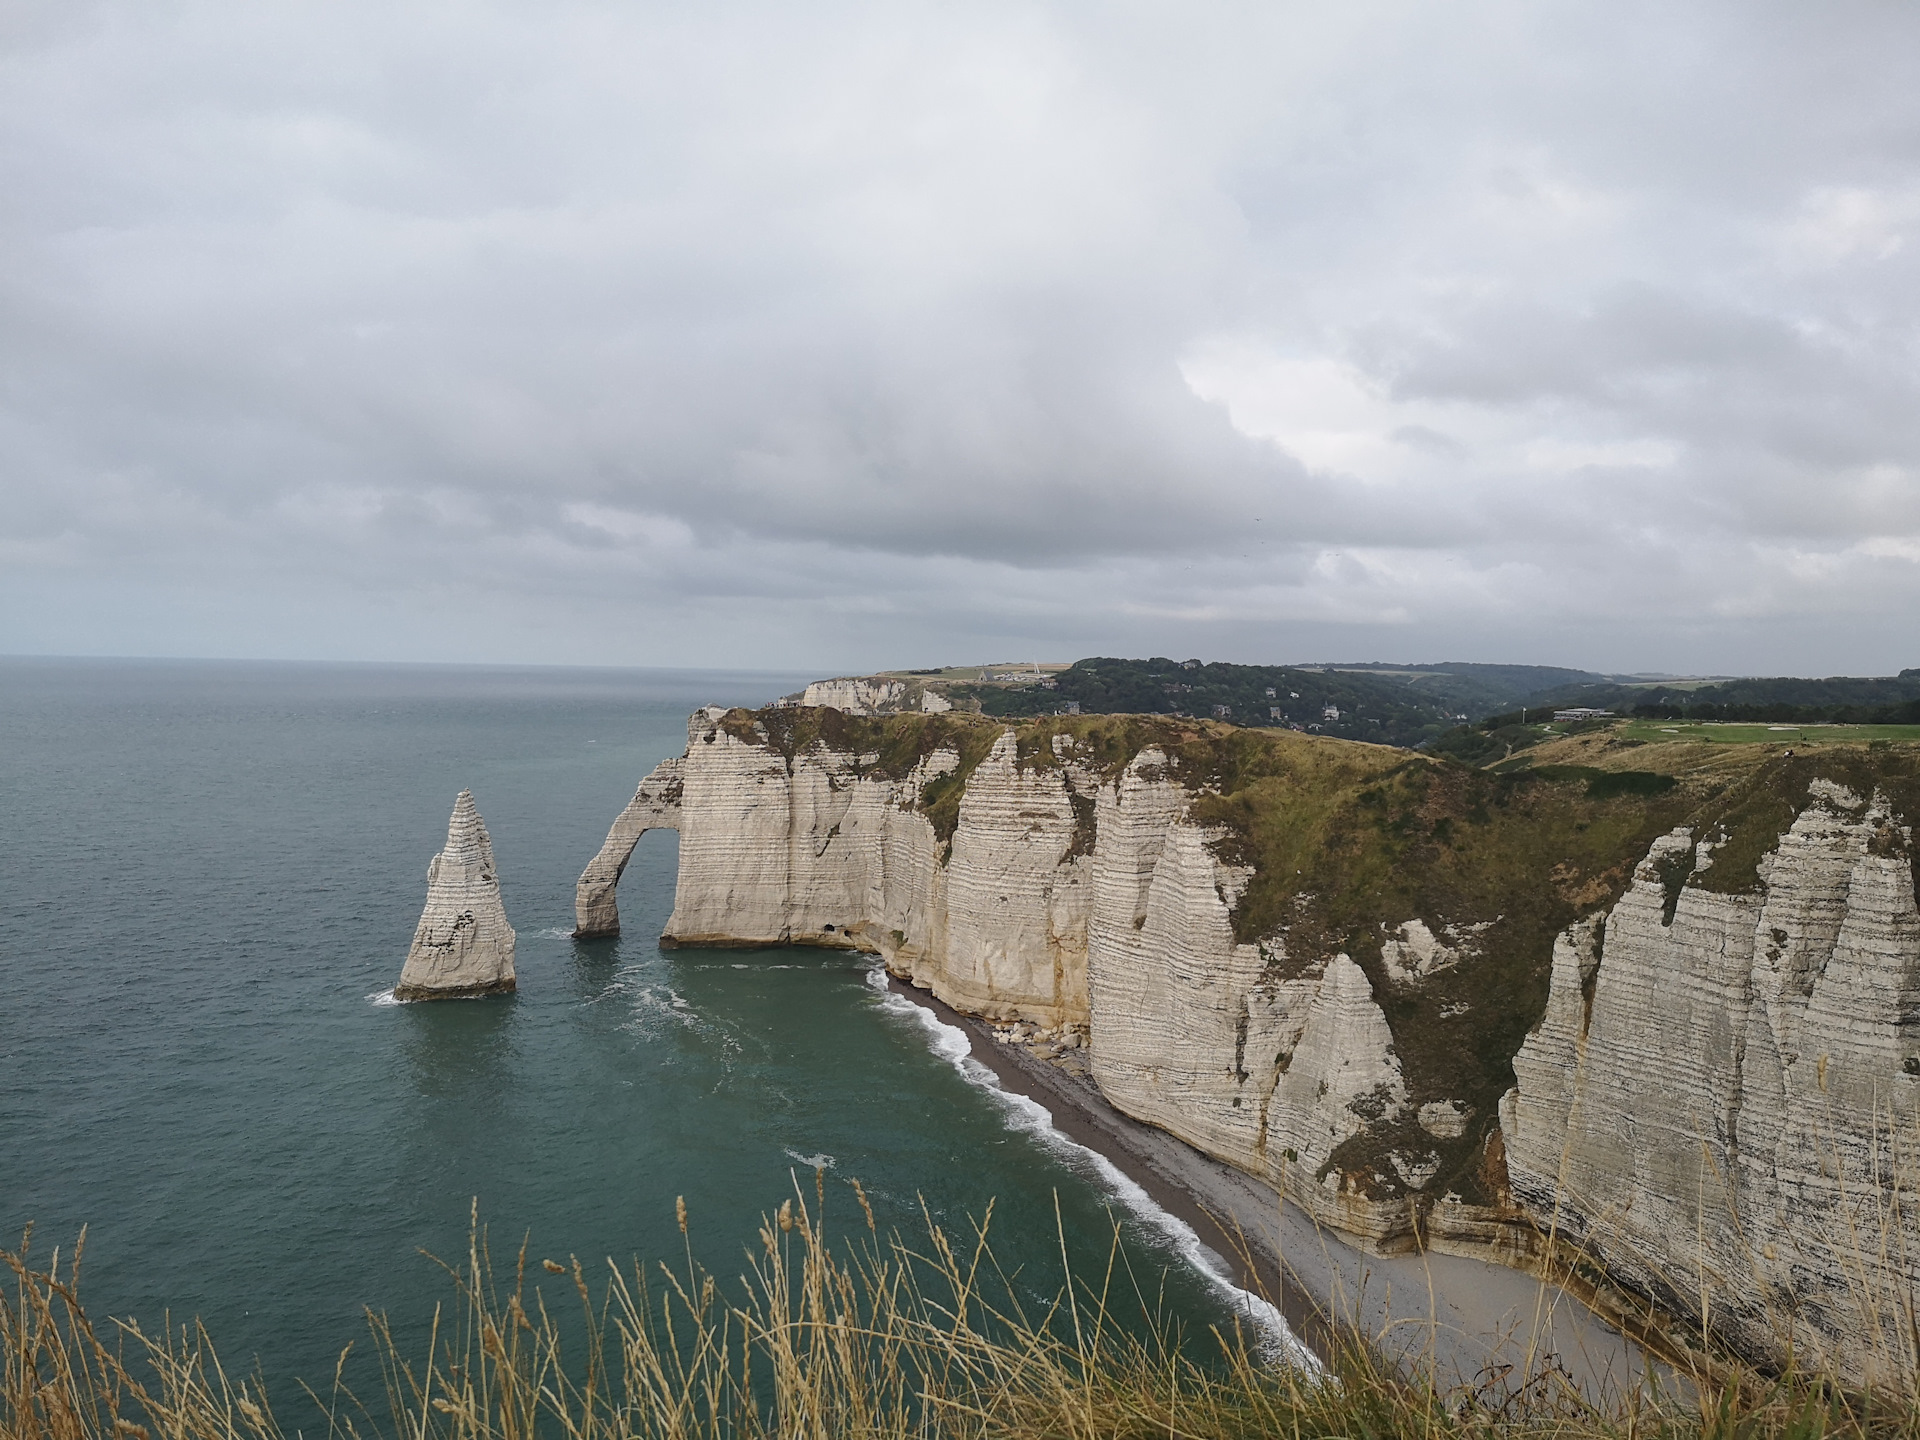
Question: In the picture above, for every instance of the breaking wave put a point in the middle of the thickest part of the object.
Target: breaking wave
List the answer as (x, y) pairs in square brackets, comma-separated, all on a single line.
[(1030, 1117)]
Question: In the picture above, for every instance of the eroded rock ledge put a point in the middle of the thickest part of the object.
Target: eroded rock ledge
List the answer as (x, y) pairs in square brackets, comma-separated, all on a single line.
[(1679, 1026)]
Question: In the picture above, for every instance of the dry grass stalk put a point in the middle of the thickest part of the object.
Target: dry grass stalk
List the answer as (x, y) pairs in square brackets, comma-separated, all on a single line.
[(871, 1337)]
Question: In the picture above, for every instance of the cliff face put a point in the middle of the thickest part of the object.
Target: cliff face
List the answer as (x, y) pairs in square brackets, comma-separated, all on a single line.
[(1067, 873), (1679, 1020), (872, 695), (1203, 1035), (1724, 1095), (463, 945), (828, 846)]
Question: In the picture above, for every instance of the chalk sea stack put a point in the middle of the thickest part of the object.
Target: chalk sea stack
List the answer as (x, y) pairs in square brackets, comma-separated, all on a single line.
[(464, 945)]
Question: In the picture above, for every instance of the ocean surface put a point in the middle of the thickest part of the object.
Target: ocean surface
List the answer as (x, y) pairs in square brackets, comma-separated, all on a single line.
[(209, 875)]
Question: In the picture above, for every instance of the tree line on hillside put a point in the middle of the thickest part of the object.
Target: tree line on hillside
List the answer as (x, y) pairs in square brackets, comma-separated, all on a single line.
[(1773, 700), (1397, 705), (1476, 713)]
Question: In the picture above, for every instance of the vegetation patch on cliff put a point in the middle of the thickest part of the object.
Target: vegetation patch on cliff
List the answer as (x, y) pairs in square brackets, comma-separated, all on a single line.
[(1747, 795), (886, 747), (1494, 866), (1748, 818)]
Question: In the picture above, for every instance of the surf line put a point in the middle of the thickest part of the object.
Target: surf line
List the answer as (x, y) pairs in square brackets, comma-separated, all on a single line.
[(1027, 1115)]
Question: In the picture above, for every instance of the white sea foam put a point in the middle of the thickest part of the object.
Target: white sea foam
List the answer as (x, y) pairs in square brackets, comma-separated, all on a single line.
[(387, 997), (1024, 1114), (812, 1162), (665, 1001)]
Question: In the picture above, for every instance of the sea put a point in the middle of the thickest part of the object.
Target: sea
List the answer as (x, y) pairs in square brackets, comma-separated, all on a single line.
[(209, 875)]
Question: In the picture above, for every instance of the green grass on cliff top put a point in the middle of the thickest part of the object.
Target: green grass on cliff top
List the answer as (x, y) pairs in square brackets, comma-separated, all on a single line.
[(1728, 733)]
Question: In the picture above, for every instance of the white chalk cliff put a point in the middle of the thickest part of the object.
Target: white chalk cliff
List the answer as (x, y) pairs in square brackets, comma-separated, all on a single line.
[(1061, 896), (872, 695), (1722, 1097), (463, 945), (1723, 1094), (817, 849)]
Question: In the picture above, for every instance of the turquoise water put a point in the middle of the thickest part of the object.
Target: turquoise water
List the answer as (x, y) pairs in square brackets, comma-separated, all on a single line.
[(209, 872)]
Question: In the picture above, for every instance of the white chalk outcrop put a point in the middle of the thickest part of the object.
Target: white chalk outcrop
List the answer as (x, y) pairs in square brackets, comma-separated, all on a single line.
[(1413, 953), (463, 945), (872, 695), (856, 696), (820, 849), (1215, 1040), (1722, 1098)]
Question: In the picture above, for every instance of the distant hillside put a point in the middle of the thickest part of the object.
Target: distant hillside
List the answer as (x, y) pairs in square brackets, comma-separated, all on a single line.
[(1781, 699), (1481, 689), (1473, 712), (1387, 704)]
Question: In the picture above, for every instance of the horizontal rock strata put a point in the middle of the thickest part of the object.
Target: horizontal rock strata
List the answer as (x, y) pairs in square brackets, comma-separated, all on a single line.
[(1722, 1098), (463, 945)]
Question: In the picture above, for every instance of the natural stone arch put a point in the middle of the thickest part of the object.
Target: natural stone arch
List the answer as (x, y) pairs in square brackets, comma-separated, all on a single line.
[(655, 806)]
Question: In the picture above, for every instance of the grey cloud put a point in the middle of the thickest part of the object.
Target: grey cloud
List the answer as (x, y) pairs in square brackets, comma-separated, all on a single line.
[(833, 336)]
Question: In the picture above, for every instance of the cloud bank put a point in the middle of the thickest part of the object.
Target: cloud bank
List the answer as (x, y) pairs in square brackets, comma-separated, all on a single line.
[(847, 335)]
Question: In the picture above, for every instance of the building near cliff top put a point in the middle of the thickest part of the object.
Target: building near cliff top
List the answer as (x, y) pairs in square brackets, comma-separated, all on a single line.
[(463, 945), (1579, 712)]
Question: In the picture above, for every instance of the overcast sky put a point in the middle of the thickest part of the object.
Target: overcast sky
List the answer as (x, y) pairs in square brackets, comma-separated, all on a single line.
[(836, 336)]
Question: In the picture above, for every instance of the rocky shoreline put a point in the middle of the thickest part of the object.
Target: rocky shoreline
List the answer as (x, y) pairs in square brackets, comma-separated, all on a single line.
[(1476, 1323)]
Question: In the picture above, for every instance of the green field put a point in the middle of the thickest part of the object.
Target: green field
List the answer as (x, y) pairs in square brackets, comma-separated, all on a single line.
[(1742, 734)]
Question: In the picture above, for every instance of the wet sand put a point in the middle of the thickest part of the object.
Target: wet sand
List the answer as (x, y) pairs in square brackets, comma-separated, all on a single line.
[(1473, 1323)]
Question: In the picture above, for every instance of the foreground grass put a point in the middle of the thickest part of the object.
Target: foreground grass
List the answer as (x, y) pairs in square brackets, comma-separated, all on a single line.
[(872, 1338)]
